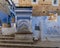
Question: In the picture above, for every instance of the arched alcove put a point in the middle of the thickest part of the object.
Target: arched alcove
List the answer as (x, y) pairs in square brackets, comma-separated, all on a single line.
[(23, 25)]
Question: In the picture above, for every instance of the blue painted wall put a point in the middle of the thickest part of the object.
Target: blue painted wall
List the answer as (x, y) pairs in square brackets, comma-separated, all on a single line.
[(36, 21), (3, 17), (44, 24)]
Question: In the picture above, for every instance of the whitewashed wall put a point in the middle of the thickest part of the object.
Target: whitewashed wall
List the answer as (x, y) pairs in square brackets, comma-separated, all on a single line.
[(16, 2), (9, 31), (50, 29), (36, 21)]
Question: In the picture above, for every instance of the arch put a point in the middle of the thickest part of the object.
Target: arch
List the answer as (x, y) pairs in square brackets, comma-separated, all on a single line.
[(23, 27), (23, 21), (23, 24), (19, 21)]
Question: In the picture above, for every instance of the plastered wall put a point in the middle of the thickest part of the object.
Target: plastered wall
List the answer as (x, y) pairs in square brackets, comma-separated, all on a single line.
[(42, 7), (4, 6)]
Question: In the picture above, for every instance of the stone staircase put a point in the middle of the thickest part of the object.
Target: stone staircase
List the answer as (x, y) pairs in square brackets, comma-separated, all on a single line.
[(6, 37), (23, 14), (7, 41), (23, 11), (23, 38)]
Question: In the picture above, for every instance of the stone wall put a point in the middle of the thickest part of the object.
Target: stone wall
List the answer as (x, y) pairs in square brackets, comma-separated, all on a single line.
[(4, 6), (42, 7)]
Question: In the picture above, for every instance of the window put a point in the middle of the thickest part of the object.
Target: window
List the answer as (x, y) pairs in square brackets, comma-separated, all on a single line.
[(37, 28), (34, 1), (55, 2)]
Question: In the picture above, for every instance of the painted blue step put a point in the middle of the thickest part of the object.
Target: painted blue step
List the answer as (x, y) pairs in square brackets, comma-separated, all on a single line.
[(23, 8), (23, 18), (24, 15), (23, 12)]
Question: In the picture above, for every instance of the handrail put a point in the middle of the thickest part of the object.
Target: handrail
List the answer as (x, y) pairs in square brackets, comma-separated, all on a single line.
[(11, 2)]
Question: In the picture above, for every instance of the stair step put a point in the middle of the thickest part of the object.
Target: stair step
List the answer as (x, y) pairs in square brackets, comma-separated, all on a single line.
[(6, 37), (24, 35), (25, 13), (16, 45), (19, 17), (17, 41), (23, 10)]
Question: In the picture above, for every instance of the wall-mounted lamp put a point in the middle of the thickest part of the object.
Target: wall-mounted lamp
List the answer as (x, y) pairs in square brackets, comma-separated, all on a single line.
[(53, 16)]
